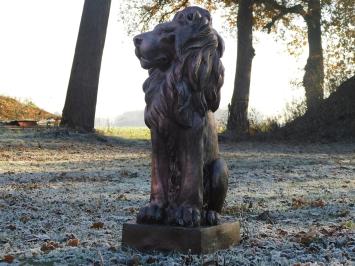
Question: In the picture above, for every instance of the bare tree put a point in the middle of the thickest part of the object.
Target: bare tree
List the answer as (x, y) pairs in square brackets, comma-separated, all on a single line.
[(80, 103), (238, 109)]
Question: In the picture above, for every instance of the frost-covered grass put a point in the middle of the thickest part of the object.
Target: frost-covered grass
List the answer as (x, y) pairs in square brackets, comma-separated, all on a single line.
[(296, 203)]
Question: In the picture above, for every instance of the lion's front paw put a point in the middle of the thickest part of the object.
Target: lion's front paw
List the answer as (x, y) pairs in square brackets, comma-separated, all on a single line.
[(150, 214), (210, 218), (184, 216)]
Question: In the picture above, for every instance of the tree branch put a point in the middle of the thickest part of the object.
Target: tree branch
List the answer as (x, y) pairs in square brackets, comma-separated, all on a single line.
[(173, 10), (283, 10), (150, 12)]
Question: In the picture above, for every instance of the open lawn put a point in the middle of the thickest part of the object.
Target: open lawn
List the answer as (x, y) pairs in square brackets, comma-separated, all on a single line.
[(64, 197)]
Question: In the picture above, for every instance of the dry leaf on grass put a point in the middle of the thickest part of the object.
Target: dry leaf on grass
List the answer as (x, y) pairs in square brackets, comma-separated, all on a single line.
[(306, 238), (302, 202), (97, 225), (318, 203), (73, 242), (8, 258), (298, 203), (327, 231), (131, 210), (282, 232), (48, 246), (25, 219), (121, 197)]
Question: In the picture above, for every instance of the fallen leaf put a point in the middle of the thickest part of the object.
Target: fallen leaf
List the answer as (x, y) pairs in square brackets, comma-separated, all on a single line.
[(124, 172), (306, 238), (8, 258), (121, 197), (318, 203), (73, 242), (298, 203), (25, 219), (282, 232), (97, 225), (131, 210), (327, 231), (48, 246)]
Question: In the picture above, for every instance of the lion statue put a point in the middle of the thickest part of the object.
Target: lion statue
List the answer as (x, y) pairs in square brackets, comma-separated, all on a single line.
[(189, 179)]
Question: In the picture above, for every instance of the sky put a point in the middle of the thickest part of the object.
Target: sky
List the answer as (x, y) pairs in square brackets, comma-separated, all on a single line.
[(37, 46)]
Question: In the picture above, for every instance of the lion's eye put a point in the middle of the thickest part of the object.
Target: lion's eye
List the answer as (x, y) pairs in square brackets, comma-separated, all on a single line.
[(169, 38), (168, 30), (190, 16), (160, 31)]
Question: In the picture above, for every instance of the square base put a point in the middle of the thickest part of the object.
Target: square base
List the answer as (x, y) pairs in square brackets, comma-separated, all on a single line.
[(197, 240)]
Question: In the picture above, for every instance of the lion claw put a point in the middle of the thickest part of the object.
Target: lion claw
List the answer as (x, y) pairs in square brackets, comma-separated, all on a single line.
[(150, 214), (184, 216), (210, 218)]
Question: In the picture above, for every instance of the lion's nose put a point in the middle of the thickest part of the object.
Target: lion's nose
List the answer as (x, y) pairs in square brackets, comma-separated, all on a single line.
[(137, 40)]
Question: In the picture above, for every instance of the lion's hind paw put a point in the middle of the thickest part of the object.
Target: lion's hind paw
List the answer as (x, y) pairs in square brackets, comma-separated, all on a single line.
[(210, 218)]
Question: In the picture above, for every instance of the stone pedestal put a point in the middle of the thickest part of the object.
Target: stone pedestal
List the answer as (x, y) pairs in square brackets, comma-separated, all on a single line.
[(199, 240)]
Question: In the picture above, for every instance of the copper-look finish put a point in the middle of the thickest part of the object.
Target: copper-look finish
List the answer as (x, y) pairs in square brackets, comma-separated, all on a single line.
[(189, 179)]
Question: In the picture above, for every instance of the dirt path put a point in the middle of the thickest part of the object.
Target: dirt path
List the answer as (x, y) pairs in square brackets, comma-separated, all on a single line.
[(296, 202)]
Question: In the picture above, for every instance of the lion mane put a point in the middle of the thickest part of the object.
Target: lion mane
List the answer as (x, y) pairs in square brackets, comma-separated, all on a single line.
[(191, 85)]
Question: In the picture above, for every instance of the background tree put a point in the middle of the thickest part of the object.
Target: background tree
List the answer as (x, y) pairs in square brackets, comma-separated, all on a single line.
[(310, 11), (326, 21), (338, 22), (238, 109), (80, 103)]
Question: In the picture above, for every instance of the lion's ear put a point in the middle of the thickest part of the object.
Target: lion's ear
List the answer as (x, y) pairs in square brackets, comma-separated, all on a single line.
[(196, 16)]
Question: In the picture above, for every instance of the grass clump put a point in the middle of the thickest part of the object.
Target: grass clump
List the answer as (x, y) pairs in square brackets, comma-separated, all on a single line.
[(131, 133)]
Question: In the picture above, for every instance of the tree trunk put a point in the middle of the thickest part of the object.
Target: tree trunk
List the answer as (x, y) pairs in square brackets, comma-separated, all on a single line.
[(314, 71), (80, 103), (238, 124)]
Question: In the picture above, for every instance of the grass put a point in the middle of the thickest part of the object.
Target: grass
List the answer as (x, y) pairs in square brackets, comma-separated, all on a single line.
[(131, 133)]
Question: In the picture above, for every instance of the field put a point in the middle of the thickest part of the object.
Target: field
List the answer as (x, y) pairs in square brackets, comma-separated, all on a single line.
[(64, 197)]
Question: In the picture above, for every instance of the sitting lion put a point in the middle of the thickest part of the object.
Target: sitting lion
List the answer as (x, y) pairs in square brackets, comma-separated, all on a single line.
[(189, 179)]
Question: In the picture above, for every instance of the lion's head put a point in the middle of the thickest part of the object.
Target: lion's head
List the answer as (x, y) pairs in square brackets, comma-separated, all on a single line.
[(188, 50)]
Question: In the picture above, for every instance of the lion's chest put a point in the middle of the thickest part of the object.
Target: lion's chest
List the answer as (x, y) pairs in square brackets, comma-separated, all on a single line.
[(158, 101)]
